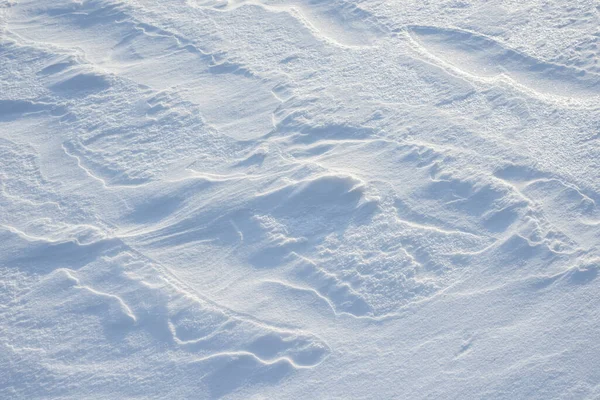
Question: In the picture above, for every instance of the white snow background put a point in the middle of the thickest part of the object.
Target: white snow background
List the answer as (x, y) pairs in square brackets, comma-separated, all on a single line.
[(299, 199)]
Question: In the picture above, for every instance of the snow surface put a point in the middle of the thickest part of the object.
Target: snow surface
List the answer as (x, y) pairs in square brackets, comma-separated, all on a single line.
[(345, 199)]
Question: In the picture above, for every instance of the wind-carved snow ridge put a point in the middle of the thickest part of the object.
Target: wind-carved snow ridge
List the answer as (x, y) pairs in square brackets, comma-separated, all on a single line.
[(339, 22), (125, 296), (291, 199), (483, 58), (116, 42)]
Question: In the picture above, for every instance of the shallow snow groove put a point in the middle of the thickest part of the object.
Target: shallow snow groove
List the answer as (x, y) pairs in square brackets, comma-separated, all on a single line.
[(299, 199)]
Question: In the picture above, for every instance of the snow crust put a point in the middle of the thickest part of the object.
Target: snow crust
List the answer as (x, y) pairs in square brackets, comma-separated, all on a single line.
[(341, 199)]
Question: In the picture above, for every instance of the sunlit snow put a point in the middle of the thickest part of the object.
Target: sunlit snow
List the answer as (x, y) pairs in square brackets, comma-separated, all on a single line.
[(299, 199)]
